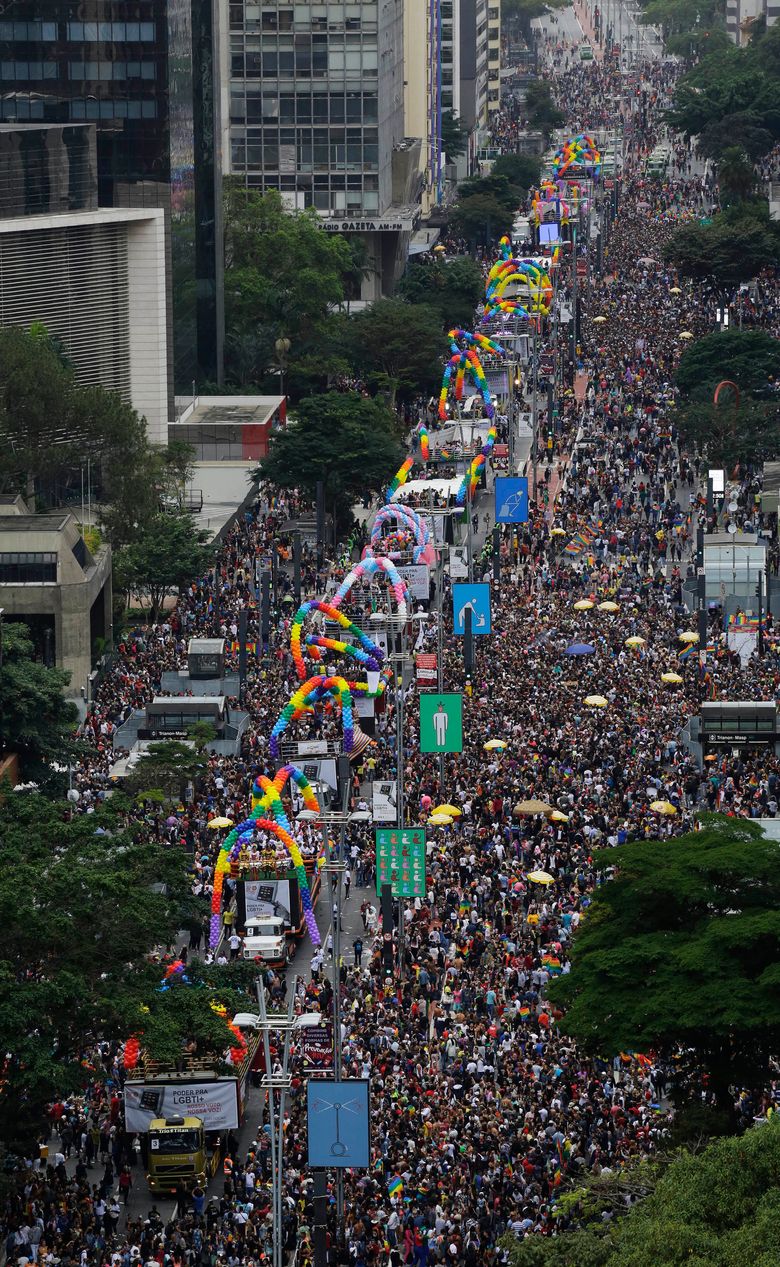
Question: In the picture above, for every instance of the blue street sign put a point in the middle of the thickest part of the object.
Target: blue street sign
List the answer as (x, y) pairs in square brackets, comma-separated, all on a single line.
[(339, 1123), (511, 500), (476, 597)]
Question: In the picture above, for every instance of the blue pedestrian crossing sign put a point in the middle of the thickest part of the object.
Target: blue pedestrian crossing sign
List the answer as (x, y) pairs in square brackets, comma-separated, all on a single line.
[(511, 500), (475, 598)]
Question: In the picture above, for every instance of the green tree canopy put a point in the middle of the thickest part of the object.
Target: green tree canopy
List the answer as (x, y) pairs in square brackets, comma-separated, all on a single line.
[(81, 902), (736, 176), (282, 274), (168, 766), (728, 434), (521, 170), (452, 287), (481, 218), (454, 135), (350, 442), (715, 1208), (50, 426), (170, 553), (543, 114), (680, 954), (729, 86), (36, 721), (399, 347), (735, 247), (751, 358)]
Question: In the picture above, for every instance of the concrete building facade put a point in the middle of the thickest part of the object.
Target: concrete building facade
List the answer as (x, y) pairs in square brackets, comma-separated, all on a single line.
[(96, 280), (51, 582), (313, 106)]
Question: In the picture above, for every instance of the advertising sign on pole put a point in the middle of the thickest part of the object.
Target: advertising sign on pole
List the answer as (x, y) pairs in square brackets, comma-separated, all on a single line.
[(426, 670), (400, 860), (316, 1049), (337, 1116), (441, 723), (418, 580)]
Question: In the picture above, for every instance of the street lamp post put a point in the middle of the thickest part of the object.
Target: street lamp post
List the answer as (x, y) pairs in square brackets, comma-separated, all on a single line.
[(282, 347)]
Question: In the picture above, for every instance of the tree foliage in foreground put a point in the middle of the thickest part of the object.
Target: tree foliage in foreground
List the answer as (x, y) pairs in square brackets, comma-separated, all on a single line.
[(680, 955), (77, 909), (347, 441), (737, 245), (452, 287), (170, 553), (718, 1208), (729, 434), (83, 901), (36, 721)]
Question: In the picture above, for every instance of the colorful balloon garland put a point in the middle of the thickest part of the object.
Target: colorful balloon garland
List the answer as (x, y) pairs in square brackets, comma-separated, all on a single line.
[(397, 512), (400, 477), (422, 436), (271, 799), (579, 154), (368, 653), (368, 567)]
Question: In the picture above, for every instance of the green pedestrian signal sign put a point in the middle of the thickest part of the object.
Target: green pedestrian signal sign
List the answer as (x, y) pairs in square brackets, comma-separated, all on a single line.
[(441, 723)]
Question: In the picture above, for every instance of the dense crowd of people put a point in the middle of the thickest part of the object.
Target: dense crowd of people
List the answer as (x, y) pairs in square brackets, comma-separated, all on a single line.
[(482, 1108)]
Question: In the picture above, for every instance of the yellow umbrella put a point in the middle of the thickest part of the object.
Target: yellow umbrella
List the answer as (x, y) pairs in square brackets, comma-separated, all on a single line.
[(673, 679), (675, 290), (598, 321), (663, 807), (689, 636), (452, 810), (584, 605), (596, 701), (216, 823), (540, 877), (558, 817), (635, 641), (532, 807), (609, 606), (685, 334), (494, 745), (557, 532), (441, 820)]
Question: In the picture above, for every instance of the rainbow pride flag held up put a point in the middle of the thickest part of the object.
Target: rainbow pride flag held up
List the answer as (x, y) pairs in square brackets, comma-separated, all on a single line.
[(395, 1186), (738, 620), (687, 652)]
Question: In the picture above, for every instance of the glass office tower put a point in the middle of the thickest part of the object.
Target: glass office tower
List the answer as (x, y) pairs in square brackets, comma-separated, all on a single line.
[(140, 71)]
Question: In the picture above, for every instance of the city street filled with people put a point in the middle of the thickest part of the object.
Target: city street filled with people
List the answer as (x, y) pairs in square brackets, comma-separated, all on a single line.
[(482, 1110)]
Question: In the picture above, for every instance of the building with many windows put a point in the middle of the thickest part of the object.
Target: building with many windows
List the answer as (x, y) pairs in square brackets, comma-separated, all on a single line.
[(143, 72), (313, 106)]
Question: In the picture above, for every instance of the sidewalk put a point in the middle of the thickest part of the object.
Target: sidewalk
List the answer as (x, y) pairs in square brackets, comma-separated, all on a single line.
[(581, 12)]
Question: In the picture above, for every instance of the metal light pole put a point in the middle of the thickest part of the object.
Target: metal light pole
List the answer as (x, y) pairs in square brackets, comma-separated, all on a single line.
[(279, 1022), (534, 404), (282, 347)]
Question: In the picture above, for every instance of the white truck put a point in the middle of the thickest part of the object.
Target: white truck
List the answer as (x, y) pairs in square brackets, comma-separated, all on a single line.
[(265, 939)]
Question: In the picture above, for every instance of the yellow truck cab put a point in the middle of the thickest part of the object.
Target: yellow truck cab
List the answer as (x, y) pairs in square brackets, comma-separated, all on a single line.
[(176, 1153)]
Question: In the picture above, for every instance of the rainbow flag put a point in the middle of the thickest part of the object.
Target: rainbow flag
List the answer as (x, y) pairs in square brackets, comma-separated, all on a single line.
[(738, 620), (395, 1186), (524, 1013), (687, 652)]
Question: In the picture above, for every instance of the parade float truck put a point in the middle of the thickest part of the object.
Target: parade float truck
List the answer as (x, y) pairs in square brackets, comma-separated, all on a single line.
[(183, 1116), (267, 891)]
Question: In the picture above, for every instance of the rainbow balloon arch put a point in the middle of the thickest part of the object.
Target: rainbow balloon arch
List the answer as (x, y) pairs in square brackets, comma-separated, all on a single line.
[(333, 690), (579, 156)]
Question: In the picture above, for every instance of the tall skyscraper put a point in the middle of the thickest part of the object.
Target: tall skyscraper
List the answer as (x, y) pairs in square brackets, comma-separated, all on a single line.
[(143, 72), (316, 110)]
